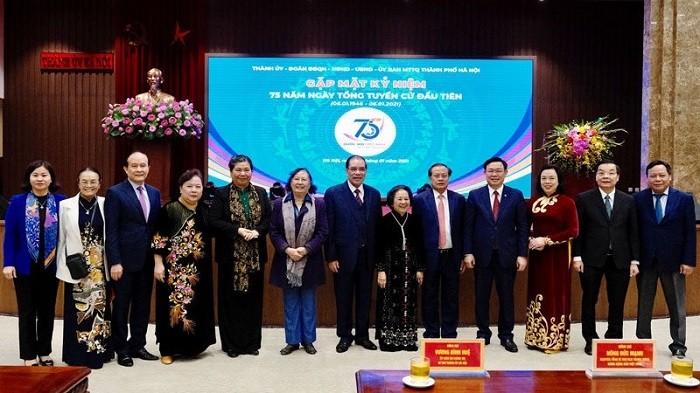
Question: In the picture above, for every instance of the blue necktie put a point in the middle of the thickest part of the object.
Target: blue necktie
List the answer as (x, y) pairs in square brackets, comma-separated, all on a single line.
[(608, 206), (658, 209)]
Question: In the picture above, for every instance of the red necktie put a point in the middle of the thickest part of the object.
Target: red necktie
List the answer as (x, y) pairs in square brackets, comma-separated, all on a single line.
[(442, 239), (142, 200), (496, 205)]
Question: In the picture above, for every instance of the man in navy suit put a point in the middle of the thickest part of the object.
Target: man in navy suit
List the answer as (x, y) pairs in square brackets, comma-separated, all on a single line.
[(353, 209), (607, 245), (496, 247), (666, 218), (131, 208), (443, 239)]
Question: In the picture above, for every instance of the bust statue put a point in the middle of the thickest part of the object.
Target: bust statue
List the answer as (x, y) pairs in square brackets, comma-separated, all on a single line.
[(154, 95)]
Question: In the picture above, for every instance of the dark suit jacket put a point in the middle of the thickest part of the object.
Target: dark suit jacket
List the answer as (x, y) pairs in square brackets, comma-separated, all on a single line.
[(511, 230), (672, 241), (425, 212), (226, 231), (314, 272), (597, 232), (128, 234), (344, 224)]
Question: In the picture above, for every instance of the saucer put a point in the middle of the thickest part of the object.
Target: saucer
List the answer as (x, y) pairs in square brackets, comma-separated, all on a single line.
[(408, 381), (689, 382)]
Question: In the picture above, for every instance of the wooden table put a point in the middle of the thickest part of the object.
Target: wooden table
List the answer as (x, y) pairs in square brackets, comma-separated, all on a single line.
[(387, 381), (21, 379)]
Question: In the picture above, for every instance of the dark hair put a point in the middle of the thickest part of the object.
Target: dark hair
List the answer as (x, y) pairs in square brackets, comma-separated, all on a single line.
[(347, 162), (392, 194), (430, 170), (90, 169), (189, 174), (27, 185), (312, 186), (237, 159), (659, 162), (126, 161), (617, 167), (496, 159), (561, 186)]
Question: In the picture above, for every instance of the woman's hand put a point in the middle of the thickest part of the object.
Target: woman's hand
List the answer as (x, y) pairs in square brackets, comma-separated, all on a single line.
[(159, 268), (537, 243), (419, 278), (248, 234), (381, 279), (9, 272)]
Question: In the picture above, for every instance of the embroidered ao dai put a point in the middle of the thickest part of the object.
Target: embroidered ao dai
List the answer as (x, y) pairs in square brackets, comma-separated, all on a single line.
[(184, 301), (397, 303), (549, 279), (86, 324)]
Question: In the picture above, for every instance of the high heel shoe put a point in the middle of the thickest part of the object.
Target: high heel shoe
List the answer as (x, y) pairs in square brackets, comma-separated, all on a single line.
[(46, 361)]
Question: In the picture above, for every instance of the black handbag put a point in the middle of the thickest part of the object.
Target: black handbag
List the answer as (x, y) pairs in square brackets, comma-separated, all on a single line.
[(77, 266)]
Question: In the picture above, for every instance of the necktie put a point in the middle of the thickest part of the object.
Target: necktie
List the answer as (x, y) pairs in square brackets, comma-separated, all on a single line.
[(608, 206), (357, 196), (442, 239), (496, 205), (658, 209), (142, 200)]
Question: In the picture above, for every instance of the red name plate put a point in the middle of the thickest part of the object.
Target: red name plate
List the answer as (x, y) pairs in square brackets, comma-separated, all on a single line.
[(69, 61), (624, 355), (448, 355)]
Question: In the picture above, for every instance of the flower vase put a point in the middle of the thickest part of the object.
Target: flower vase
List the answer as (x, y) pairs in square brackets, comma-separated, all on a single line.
[(578, 183), (159, 159)]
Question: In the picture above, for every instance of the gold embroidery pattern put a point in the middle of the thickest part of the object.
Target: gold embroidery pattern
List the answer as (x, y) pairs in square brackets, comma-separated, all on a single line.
[(543, 334), (540, 205)]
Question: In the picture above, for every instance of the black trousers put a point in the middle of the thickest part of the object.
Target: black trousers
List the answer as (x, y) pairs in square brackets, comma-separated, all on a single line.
[(36, 300), (484, 276), (353, 284), (441, 298), (240, 313), (617, 281), (131, 308)]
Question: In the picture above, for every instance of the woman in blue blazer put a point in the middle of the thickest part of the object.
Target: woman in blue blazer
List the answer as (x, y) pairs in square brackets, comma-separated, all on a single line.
[(31, 241)]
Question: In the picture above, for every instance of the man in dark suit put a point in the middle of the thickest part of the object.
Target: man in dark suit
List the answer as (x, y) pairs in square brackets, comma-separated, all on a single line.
[(496, 247), (131, 208), (443, 239), (607, 245), (353, 209), (666, 219)]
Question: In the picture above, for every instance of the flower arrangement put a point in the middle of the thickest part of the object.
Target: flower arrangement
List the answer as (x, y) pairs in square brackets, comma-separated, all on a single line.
[(134, 119), (579, 147)]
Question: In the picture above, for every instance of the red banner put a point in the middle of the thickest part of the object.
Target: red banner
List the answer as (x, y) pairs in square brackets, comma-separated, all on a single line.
[(69, 61)]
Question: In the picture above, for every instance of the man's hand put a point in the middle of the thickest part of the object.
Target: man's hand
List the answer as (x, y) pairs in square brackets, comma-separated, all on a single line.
[(521, 263), (687, 269), (9, 272), (577, 266), (334, 266), (116, 272), (470, 261)]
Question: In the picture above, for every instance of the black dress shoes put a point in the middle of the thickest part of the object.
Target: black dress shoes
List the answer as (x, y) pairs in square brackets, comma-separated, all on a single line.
[(143, 354), (125, 360), (487, 340), (343, 345), (366, 344), (289, 349), (674, 352), (254, 352), (232, 354), (509, 345), (309, 348), (589, 348)]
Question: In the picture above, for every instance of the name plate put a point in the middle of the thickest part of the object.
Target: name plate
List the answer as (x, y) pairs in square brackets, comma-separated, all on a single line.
[(624, 355), (454, 357)]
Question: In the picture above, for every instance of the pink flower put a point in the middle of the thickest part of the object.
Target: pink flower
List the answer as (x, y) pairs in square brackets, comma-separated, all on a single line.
[(172, 120), (168, 131), (115, 123), (129, 130), (151, 117), (182, 132), (152, 128)]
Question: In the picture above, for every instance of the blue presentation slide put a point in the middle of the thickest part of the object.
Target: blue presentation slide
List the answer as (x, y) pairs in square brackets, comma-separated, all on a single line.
[(401, 113)]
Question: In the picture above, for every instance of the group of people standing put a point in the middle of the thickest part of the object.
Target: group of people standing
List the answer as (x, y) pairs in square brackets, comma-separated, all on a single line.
[(109, 250)]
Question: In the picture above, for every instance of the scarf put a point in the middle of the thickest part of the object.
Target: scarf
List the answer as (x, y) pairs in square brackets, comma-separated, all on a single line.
[(308, 224), (244, 253), (32, 222)]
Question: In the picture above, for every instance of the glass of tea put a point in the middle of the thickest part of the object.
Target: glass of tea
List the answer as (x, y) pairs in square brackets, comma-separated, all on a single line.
[(681, 367), (420, 369)]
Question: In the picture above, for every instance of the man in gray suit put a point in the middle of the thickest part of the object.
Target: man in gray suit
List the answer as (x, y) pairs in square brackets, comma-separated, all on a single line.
[(607, 245)]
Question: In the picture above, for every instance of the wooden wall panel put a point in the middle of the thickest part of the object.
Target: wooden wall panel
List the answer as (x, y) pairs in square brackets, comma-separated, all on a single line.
[(56, 115)]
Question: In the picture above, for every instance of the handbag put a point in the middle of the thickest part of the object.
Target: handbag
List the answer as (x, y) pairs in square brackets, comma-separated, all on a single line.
[(77, 266)]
